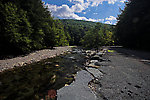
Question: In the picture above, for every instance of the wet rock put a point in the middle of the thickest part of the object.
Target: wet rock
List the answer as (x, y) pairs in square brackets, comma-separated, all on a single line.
[(72, 58), (100, 54), (48, 63), (92, 65), (88, 51), (74, 52), (53, 79), (86, 57), (97, 57), (93, 61), (56, 65)]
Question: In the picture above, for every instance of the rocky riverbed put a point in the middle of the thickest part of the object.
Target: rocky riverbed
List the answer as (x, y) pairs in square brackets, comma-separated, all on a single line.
[(82, 88), (111, 74), (40, 80), (107, 74), (32, 57)]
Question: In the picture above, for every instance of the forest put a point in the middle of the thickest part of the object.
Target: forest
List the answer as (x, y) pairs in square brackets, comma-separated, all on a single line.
[(132, 30), (26, 26)]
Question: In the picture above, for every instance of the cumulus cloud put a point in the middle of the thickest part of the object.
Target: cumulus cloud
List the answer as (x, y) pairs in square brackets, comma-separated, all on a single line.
[(95, 20), (108, 22), (111, 18), (64, 12), (122, 1), (77, 1), (78, 8), (93, 2), (67, 13)]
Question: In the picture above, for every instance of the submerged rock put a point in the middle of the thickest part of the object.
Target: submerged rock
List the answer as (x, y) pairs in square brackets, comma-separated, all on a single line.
[(72, 58)]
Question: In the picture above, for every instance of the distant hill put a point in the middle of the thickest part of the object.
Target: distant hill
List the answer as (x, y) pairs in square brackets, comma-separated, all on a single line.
[(85, 24), (78, 28), (73, 22)]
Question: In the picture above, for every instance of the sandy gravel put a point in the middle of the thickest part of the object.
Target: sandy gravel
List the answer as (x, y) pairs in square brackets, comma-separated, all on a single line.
[(32, 57)]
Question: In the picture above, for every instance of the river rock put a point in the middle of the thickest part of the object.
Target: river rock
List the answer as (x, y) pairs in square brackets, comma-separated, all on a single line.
[(93, 65), (78, 90), (97, 57), (72, 58), (48, 63), (95, 72), (93, 61), (100, 54)]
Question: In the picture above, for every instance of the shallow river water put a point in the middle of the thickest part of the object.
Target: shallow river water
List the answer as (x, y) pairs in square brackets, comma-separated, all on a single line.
[(40, 80)]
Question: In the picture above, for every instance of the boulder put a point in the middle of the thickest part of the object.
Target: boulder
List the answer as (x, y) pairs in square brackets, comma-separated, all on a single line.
[(48, 63), (100, 54), (72, 58), (101, 63), (97, 57), (93, 65), (93, 61)]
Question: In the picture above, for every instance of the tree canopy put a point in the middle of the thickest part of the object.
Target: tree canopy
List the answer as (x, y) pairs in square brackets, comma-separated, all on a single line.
[(132, 29), (27, 25)]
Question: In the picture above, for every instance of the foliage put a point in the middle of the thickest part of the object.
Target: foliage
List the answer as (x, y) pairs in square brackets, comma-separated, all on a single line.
[(76, 29), (98, 36), (132, 29), (27, 25)]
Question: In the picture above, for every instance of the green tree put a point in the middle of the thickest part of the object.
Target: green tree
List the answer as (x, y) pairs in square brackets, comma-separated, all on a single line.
[(98, 36), (15, 29), (132, 29)]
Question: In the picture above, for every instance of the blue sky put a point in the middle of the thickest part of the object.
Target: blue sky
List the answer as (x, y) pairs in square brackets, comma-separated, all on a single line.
[(104, 11)]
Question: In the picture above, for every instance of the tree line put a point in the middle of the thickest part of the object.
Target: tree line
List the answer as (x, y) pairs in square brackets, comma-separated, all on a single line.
[(27, 25), (132, 29), (88, 34)]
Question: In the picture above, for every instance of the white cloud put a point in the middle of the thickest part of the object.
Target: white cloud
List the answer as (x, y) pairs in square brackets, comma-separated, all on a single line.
[(67, 13), (64, 12), (108, 22), (77, 1), (95, 20), (111, 18), (77, 8), (92, 2), (122, 1)]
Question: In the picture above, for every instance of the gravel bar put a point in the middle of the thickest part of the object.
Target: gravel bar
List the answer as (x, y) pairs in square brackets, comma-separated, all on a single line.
[(32, 57)]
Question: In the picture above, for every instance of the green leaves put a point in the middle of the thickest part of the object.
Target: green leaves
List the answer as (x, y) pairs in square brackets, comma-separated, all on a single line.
[(132, 29), (26, 26), (98, 36)]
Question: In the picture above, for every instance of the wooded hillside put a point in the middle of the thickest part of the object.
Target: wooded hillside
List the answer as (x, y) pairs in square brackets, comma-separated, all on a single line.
[(132, 29), (27, 25)]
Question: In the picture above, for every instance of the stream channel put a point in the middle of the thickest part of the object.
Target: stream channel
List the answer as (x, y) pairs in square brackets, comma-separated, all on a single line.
[(74, 75), (41, 80)]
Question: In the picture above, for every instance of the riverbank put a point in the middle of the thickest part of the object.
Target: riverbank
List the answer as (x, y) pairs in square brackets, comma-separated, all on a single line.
[(32, 57)]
